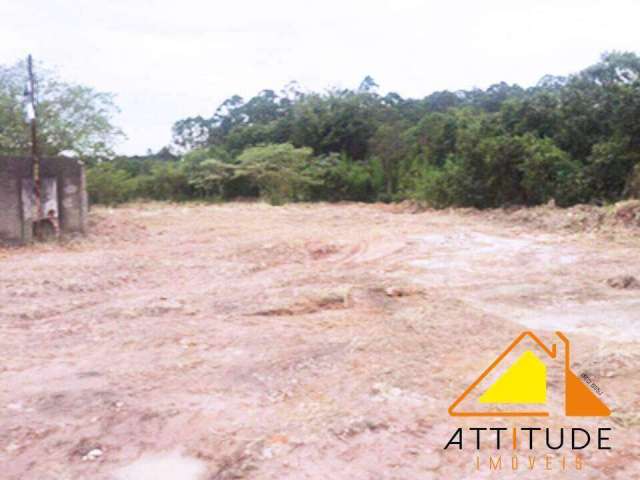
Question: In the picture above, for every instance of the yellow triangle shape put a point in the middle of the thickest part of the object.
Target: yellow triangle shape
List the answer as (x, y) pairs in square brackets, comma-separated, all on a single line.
[(525, 381)]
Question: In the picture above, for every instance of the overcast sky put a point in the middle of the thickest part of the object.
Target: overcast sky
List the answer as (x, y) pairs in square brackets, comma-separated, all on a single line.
[(169, 59)]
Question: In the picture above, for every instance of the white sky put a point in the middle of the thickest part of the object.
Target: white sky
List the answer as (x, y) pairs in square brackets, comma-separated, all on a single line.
[(169, 59)]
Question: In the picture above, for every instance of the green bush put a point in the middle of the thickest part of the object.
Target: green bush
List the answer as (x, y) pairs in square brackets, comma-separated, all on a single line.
[(609, 167), (342, 179), (632, 189), (166, 181), (280, 172), (110, 186), (549, 173)]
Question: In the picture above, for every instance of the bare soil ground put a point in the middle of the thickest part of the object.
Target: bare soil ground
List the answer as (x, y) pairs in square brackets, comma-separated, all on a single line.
[(304, 341)]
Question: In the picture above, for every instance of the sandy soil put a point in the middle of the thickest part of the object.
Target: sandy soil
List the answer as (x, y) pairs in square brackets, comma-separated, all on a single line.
[(304, 341)]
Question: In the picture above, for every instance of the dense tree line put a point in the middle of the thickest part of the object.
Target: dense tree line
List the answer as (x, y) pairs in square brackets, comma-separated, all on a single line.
[(571, 139)]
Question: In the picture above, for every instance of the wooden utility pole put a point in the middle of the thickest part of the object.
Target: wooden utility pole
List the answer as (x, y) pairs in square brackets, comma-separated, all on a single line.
[(35, 159)]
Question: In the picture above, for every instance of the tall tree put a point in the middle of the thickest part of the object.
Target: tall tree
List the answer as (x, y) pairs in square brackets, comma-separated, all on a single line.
[(70, 117)]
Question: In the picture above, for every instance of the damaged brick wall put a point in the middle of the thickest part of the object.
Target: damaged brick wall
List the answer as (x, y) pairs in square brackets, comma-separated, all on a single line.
[(71, 191)]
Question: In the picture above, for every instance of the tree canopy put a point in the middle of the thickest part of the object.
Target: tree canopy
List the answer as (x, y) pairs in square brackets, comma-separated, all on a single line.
[(571, 139), (70, 117)]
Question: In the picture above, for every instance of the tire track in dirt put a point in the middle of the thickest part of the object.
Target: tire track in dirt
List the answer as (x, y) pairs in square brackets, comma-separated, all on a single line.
[(323, 341)]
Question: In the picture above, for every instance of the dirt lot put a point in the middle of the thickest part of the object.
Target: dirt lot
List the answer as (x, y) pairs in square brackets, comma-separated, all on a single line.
[(304, 341)]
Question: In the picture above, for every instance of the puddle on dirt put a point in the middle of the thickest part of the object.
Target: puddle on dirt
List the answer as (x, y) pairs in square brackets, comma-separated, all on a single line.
[(479, 242), (440, 263), (169, 466), (498, 265), (613, 320), (617, 320), (462, 251), (493, 244), (431, 238)]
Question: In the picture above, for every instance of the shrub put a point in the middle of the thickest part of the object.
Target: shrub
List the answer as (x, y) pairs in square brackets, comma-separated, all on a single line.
[(166, 181), (280, 172), (550, 173), (632, 189), (609, 167), (343, 179), (110, 186)]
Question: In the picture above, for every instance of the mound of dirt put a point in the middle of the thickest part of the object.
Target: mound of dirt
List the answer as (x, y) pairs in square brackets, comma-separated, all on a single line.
[(406, 206), (623, 282), (579, 218), (628, 213), (108, 227), (312, 304)]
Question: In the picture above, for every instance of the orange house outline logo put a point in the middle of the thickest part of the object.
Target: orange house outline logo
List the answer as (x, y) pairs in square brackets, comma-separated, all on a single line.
[(528, 373)]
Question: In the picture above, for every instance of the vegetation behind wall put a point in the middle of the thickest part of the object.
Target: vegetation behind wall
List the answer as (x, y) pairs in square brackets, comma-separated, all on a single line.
[(572, 139)]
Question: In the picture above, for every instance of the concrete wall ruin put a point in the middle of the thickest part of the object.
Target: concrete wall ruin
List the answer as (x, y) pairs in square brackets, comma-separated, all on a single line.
[(72, 201)]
